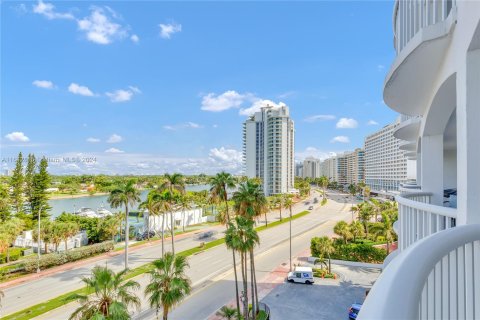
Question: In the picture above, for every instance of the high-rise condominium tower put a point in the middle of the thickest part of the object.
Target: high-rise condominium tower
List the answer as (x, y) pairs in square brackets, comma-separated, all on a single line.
[(268, 149)]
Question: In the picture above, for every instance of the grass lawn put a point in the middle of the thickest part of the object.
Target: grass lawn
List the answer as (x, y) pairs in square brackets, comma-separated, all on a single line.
[(59, 301)]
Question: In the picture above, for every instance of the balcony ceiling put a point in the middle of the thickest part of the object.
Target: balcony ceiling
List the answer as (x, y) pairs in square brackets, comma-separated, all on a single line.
[(408, 146), (407, 85), (408, 130)]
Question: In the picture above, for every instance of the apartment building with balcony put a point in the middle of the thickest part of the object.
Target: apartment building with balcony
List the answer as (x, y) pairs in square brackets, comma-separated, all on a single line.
[(434, 82), (386, 164), (345, 168), (355, 161), (268, 149)]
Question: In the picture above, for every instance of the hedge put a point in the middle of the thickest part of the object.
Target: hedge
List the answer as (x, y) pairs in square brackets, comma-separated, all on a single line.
[(358, 252), (57, 259), (14, 253)]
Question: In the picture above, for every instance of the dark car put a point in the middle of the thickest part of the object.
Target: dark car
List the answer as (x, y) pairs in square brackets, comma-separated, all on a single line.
[(145, 235), (353, 311), (205, 235)]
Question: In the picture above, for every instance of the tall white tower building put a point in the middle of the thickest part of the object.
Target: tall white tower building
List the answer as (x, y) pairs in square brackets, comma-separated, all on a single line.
[(268, 149), (311, 168)]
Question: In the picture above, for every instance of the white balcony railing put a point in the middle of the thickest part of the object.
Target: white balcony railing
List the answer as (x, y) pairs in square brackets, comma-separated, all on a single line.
[(418, 219), (410, 16), (435, 278)]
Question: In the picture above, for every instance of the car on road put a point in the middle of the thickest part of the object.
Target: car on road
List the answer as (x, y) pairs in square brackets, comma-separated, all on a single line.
[(306, 203), (310, 208), (301, 275), (353, 311), (205, 235), (145, 235)]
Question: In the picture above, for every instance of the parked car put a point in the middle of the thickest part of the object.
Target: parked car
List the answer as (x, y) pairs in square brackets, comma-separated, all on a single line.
[(145, 235), (353, 311), (205, 235), (310, 208), (301, 275)]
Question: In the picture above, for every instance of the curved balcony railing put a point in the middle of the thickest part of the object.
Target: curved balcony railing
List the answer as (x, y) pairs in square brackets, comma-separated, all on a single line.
[(436, 278), (418, 218), (410, 16)]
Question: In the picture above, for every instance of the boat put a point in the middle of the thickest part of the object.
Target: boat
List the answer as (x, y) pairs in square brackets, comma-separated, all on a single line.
[(86, 212), (102, 212)]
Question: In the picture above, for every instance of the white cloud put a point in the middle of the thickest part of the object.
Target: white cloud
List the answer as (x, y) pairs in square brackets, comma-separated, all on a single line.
[(258, 104), (186, 125), (227, 100), (313, 152), (380, 67), (48, 11), (372, 123), (93, 140), (81, 90), (114, 138), (114, 150), (320, 117), (286, 94), (166, 30), (99, 27), (123, 95), (340, 139), (17, 136), (45, 84), (134, 38), (347, 123)]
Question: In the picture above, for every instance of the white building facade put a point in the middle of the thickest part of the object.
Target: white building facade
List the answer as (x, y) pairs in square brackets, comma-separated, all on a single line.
[(386, 165), (268, 149), (346, 168), (434, 82)]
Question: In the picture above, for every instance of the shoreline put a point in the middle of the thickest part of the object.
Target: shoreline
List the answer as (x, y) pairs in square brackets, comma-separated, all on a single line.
[(74, 196)]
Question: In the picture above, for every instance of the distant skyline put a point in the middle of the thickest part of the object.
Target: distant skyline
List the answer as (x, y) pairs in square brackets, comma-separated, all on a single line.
[(151, 87)]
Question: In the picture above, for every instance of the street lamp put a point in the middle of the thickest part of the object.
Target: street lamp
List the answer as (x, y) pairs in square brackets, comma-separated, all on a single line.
[(38, 240)]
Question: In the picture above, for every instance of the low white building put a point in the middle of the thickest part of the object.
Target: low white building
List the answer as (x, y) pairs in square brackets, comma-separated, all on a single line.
[(187, 218)]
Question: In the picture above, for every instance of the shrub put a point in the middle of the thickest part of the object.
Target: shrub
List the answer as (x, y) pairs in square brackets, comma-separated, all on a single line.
[(322, 273), (15, 254), (11, 268), (359, 253), (324, 201), (57, 259)]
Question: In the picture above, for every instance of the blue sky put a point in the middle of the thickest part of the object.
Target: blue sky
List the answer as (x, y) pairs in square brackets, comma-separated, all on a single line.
[(150, 87)]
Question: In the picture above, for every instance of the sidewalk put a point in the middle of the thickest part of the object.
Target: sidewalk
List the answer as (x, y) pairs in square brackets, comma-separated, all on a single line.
[(272, 280)]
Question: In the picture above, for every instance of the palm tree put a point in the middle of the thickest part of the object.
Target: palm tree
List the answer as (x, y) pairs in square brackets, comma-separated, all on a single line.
[(342, 229), (325, 247), (280, 202), (384, 229), (356, 229), (184, 203), (219, 186), (168, 283), (288, 205), (125, 195), (353, 210), (365, 214), (110, 299), (324, 183), (377, 207), (227, 313), (242, 237), (173, 185)]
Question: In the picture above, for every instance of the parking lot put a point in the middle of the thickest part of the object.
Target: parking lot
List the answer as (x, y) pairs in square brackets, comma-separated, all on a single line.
[(326, 299)]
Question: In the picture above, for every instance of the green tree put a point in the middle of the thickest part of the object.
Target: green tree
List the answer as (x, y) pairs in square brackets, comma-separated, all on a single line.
[(184, 204), (29, 186), (168, 283), (356, 229), (46, 232), (384, 229), (39, 201), (324, 184), (324, 246), (4, 203), (110, 299), (342, 229), (227, 313), (288, 205), (173, 185), (125, 195), (9, 231), (219, 190), (365, 212), (16, 184)]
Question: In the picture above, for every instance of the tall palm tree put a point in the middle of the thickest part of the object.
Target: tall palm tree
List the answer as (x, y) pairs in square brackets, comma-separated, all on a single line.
[(325, 247), (377, 207), (365, 214), (110, 299), (324, 184), (184, 203), (125, 195), (220, 184), (168, 283), (343, 230), (280, 202), (173, 185), (288, 205), (242, 237), (356, 229)]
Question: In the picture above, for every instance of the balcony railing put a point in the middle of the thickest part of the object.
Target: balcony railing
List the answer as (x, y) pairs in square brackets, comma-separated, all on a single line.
[(410, 16), (435, 278), (418, 219)]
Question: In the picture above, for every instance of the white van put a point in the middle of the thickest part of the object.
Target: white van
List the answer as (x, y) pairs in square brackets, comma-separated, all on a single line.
[(302, 275)]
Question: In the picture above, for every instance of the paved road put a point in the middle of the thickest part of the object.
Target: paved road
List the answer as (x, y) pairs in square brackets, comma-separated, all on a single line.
[(211, 273), (33, 292)]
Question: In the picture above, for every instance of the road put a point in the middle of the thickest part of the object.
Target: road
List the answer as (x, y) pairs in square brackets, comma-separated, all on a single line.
[(211, 271), (30, 293)]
